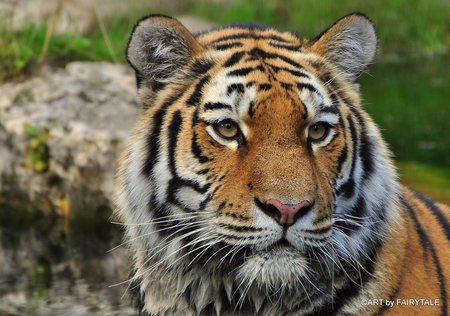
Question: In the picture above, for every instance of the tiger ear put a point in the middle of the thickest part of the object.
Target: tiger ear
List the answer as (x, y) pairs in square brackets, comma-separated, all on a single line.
[(351, 44), (159, 46)]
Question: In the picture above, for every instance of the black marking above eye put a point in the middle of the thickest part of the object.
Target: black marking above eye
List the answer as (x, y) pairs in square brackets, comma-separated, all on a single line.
[(244, 71), (217, 105), (328, 109)]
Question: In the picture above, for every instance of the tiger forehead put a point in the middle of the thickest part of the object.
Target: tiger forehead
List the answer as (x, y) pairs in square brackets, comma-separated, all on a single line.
[(246, 79), (246, 34)]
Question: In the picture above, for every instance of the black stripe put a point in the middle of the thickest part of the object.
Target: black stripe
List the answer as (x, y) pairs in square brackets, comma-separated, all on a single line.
[(427, 244), (215, 190), (222, 205), (294, 48), (344, 154), (287, 86), (217, 105), (201, 66), (244, 71), (228, 46), (259, 53), (441, 219), (203, 171), (328, 80), (357, 212), (251, 109), (240, 229), (176, 182), (195, 119), (291, 71), (160, 212), (234, 59), (196, 150), (153, 137), (265, 86), (307, 86), (239, 87), (305, 115), (333, 97), (195, 98), (137, 297), (366, 149), (249, 36), (328, 109), (174, 130), (348, 188), (204, 202)]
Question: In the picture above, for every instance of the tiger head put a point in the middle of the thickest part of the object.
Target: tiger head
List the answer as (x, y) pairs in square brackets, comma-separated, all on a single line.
[(253, 169)]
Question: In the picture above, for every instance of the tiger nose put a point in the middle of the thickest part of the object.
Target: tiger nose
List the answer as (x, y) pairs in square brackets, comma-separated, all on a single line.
[(288, 214)]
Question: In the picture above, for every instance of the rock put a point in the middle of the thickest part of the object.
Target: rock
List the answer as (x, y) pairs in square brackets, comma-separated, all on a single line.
[(88, 109)]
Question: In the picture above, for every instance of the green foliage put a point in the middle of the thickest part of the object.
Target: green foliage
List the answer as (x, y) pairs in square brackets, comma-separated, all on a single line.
[(409, 101), (20, 51), (39, 281), (432, 180), (37, 150), (402, 25)]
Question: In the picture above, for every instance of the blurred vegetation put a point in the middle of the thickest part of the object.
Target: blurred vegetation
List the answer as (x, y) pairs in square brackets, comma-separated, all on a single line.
[(431, 180), (403, 26), (37, 150), (406, 91)]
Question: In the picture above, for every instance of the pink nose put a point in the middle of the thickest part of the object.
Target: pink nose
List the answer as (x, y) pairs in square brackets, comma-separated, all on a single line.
[(287, 211)]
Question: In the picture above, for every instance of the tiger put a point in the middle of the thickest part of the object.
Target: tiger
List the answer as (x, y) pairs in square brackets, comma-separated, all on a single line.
[(254, 183)]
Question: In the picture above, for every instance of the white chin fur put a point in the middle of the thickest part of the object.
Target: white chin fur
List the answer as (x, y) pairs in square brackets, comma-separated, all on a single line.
[(278, 267)]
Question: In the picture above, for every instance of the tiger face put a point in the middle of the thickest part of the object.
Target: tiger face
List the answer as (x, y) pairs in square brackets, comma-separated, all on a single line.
[(254, 183), (263, 136)]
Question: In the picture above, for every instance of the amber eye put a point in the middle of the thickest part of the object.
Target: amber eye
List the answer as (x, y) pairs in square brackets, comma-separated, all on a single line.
[(227, 128), (317, 131)]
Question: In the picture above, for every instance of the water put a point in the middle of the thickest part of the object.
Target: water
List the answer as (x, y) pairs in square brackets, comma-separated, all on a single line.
[(50, 266)]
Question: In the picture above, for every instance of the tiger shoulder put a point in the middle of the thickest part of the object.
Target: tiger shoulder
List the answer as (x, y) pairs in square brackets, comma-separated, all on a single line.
[(254, 183)]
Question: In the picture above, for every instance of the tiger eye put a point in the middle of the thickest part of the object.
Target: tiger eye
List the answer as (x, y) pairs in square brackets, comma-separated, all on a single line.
[(227, 128), (317, 131)]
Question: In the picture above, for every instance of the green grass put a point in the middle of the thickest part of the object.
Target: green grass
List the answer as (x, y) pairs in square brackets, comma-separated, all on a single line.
[(431, 180), (402, 25), (21, 53), (409, 100)]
